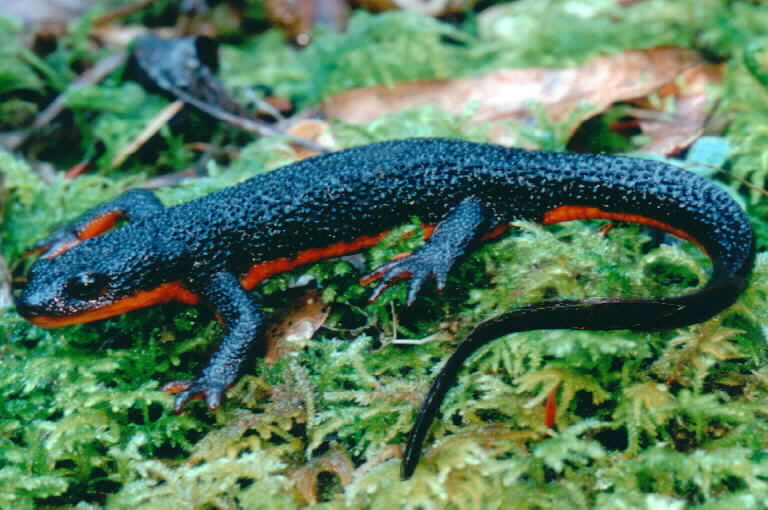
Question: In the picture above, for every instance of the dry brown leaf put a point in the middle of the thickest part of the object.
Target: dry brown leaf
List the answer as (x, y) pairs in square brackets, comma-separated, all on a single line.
[(507, 94), (670, 133), (428, 7), (293, 329), (314, 130)]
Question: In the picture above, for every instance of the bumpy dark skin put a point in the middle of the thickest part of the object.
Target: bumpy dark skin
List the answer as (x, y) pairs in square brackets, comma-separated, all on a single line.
[(213, 249)]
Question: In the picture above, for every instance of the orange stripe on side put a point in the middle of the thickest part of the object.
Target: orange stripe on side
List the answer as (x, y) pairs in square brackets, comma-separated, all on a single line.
[(162, 294), (577, 212), (262, 271), (99, 225)]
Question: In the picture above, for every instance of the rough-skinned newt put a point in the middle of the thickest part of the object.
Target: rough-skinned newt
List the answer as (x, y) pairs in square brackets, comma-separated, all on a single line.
[(214, 249)]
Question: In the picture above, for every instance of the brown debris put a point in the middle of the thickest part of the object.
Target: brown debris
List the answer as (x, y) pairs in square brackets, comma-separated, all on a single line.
[(428, 7), (674, 131), (508, 94), (293, 329)]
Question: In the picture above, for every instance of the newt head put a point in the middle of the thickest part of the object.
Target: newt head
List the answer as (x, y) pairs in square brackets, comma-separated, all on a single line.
[(105, 276)]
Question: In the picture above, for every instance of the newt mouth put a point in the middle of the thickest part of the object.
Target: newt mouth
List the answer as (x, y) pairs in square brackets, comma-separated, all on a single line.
[(172, 291), (50, 321)]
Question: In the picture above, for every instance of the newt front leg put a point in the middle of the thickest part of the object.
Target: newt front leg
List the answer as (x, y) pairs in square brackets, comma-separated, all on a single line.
[(243, 322), (132, 205)]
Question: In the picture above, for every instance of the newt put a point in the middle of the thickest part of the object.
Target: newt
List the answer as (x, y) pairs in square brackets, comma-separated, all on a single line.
[(216, 248)]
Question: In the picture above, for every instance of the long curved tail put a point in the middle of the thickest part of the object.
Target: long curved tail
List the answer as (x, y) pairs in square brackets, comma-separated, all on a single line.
[(593, 314)]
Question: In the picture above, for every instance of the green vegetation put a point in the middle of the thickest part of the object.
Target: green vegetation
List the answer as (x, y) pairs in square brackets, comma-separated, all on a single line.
[(675, 420)]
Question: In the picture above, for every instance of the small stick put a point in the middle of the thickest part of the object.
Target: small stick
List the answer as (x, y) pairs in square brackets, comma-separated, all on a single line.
[(149, 130), (90, 77), (250, 125)]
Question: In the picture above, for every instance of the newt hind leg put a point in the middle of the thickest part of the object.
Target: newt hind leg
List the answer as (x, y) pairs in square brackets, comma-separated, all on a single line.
[(131, 205), (464, 224)]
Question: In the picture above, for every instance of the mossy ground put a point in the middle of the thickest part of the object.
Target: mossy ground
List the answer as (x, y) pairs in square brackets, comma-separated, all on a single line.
[(674, 420)]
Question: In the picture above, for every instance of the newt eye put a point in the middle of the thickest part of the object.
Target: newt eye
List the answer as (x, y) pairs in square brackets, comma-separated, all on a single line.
[(87, 286)]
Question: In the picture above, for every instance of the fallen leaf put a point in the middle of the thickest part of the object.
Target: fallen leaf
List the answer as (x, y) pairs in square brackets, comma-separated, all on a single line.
[(506, 95), (293, 329), (692, 104), (314, 130), (428, 7)]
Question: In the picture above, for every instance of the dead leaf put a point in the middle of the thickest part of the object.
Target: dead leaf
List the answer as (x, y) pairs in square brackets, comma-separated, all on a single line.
[(691, 93), (314, 130), (293, 329), (428, 7), (508, 94)]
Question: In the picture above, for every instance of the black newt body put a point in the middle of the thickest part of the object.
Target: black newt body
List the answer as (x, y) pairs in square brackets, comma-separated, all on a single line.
[(213, 249)]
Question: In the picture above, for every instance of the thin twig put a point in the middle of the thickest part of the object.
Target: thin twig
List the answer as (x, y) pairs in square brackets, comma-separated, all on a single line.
[(95, 74), (122, 11), (6, 298), (250, 125), (742, 180), (90, 77), (149, 130)]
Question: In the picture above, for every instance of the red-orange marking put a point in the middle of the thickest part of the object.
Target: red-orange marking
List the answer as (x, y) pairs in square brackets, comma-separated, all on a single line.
[(162, 294), (260, 272), (496, 232), (100, 225), (550, 409), (577, 212), (177, 387)]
